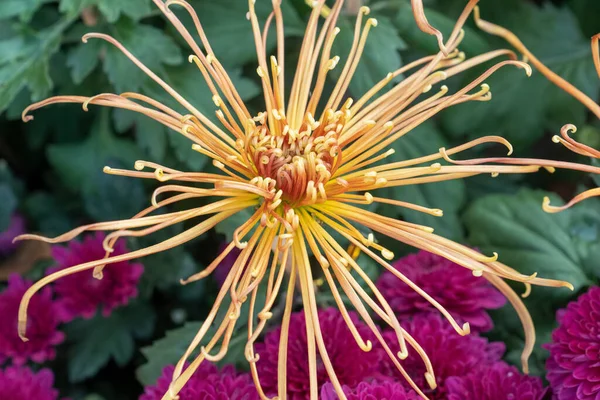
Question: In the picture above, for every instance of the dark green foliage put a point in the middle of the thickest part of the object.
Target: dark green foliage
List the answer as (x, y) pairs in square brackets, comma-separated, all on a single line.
[(51, 170)]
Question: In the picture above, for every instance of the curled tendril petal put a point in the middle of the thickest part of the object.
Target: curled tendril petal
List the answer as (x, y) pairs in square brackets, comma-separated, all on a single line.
[(425, 26), (579, 198), (572, 144), (523, 314), (527, 291)]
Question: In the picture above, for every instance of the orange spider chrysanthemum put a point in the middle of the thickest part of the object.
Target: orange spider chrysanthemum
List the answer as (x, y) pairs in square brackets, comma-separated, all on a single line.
[(304, 167)]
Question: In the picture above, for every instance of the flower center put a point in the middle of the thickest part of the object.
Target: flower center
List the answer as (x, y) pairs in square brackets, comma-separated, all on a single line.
[(300, 161)]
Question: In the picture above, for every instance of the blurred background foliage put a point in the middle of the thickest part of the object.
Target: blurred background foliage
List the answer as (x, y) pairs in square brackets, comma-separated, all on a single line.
[(51, 169)]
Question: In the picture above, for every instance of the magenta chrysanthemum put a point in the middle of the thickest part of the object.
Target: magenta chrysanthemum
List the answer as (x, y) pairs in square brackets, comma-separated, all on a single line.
[(574, 363), (465, 296), (450, 353), (15, 228), (43, 324), (80, 295), (351, 363), (386, 390), (21, 383), (207, 383), (498, 382)]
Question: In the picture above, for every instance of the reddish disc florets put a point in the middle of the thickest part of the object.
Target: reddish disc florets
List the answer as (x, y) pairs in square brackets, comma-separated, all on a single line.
[(301, 161)]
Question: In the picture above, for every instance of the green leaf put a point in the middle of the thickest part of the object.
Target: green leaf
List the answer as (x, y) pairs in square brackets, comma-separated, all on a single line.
[(230, 33), (150, 45), (100, 339), (25, 63), (111, 9), (596, 177), (165, 351), (113, 197), (228, 226), (76, 163), (83, 59), (448, 196), (188, 82), (163, 270), (587, 12), (20, 8), (557, 246), (531, 240), (523, 107), (380, 56), (473, 43), (149, 134), (182, 147), (9, 204), (135, 9), (48, 212), (170, 348)]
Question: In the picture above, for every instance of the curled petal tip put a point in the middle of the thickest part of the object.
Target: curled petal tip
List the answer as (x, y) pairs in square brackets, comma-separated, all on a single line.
[(430, 380), (18, 239), (265, 315), (492, 258), (527, 291), (466, 329), (22, 326), (556, 139), (547, 207), (388, 255), (86, 37), (569, 128)]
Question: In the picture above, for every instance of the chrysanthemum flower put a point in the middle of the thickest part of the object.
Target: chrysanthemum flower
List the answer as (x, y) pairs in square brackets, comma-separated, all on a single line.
[(207, 383), (42, 326), (574, 363), (21, 383), (81, 295), (450, 353), (305, 166), (465, 296), (15, 228), (386, 390), (347, 358), (497, 382)]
